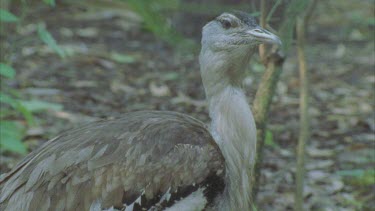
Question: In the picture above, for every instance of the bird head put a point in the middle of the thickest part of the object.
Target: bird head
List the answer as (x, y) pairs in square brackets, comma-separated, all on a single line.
[(235, 30), (228, 42)]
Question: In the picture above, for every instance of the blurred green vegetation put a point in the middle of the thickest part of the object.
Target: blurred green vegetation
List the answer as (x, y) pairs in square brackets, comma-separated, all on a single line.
[(358, 177), (361, 179), (13, 108), (151, 12)]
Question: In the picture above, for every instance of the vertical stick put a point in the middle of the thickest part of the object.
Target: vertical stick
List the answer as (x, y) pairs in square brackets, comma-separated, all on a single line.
[(263, 15), (304, 134), (273, 62), (261, 107)]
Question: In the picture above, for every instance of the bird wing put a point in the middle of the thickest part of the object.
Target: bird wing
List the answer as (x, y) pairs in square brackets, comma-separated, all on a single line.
[(144, 160)]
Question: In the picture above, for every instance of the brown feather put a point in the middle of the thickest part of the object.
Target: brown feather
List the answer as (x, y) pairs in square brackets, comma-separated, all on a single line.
[(108, 161)]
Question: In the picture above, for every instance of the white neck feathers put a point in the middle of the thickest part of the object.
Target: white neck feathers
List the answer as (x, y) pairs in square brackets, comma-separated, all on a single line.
[(232, 125), (233, 128)]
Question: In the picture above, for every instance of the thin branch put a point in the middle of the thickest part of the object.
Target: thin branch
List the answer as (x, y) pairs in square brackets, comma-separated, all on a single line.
[(309, 11), (273, 61), (261, 107), (304, 131), (304, 134), (263, 16)]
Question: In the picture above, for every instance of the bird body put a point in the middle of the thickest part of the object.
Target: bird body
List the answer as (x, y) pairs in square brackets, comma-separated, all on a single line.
[(154, 160), (138, 158)]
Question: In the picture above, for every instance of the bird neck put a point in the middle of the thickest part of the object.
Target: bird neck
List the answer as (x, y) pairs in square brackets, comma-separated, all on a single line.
[(233, 128), (220, 69)]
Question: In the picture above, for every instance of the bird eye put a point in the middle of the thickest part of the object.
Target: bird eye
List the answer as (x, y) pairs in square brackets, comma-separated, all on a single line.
[(260, 31), (226, 24)]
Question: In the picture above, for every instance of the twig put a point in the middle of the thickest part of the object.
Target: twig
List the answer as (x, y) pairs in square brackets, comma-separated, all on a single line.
[(263, 16), (304, 134), (304, 117), (261, 105)]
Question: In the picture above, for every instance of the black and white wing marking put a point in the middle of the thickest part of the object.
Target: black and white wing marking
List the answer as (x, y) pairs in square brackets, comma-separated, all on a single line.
[(143, 161)]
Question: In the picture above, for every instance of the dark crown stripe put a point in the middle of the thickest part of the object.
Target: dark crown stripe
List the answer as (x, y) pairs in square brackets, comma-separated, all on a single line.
[(245, 18)]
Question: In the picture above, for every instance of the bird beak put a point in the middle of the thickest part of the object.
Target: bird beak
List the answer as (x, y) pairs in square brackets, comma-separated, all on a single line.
[(264, 36)]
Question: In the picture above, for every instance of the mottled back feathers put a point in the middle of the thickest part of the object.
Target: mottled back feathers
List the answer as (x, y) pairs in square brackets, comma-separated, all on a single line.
[(113, 163)]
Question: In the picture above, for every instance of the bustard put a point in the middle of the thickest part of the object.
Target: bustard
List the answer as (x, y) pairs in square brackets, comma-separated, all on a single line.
[(156, 160)]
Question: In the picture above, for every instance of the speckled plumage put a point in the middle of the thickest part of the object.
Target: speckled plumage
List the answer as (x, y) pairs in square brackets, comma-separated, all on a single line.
[(87, 164)]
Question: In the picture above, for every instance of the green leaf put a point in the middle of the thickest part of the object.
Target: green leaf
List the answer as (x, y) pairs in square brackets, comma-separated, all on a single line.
[(269, 139), (50, 2), (7, 71), (8, 100), (11, 137), (26, 113), (37, 105), (351, 173), (171, 76), (255, 14), (257, 67), (47, 38), (6, 16), (359, 176), (16, 105), (122, 58)]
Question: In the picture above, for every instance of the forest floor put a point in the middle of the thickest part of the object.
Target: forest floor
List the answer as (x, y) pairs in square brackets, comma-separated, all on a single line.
[(115, 66)]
